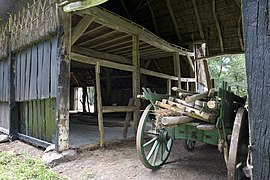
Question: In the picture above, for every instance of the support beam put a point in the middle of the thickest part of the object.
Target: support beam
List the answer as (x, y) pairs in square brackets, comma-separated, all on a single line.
[(169, 86), (136, 79), (100, 55), (110, 109), (99, 106), (105, 18), (128, 118), (13, 106), (91, 60), (240, 37), (177, 68), (153, 17), (195, 7), (217, 26), (157, 65), (81, 27), (175, 24), (62, 100)]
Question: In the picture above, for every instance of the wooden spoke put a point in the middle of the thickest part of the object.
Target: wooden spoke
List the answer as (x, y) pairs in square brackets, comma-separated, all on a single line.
[(152, 143)]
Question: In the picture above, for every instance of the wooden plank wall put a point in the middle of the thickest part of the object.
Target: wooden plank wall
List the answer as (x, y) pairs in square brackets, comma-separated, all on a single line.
[(36, 72), (36, 89), (38, 118), (4, 82), (4, 115)]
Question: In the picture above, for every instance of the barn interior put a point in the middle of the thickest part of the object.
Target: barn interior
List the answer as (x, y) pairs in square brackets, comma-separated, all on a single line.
[(108, 38), (114, 50)]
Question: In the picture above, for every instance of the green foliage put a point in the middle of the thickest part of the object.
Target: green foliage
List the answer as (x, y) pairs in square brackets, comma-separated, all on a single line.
[(24, 167), (230, 69)]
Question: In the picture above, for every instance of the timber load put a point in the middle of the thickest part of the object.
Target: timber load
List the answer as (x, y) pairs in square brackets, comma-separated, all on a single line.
[(188, 107)]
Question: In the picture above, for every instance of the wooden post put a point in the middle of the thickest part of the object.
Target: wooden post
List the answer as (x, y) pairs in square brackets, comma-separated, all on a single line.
[(136, 79), (128, 117), (62, 99), (99, 105), (13, 106), (177, 68), (169, 86), (257, 54)]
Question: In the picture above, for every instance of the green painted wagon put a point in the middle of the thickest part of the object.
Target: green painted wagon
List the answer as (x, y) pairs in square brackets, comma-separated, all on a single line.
[(228, 131)]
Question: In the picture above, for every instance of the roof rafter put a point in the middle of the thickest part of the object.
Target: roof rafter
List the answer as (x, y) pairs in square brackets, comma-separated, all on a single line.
[(198, 19), (78, 31), (153, 17), (169, 6)]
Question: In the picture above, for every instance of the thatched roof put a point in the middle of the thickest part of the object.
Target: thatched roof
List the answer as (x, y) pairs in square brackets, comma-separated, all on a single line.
[(217, 22)]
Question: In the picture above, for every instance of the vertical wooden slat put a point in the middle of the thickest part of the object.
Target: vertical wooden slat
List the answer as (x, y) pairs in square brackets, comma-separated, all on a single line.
[(8, 76), (18, 77), (43, 122), (22, 116), (1, 79), (33, 78), (4, 81), (136, 79), (39, 119), (27, 73), (40, 67), (35, 125), (30, 118), (48, 119), (45, 78), (23, 59), (26, 111), (54, 66), (52, 124), (99, 105)]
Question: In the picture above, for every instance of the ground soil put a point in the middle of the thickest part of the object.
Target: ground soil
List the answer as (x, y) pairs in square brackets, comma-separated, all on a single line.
[(120, 161)]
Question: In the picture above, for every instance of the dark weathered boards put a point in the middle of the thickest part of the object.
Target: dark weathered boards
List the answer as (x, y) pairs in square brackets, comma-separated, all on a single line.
[(256, 21)]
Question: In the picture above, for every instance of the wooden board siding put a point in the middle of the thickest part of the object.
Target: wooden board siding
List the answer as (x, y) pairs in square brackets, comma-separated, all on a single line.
[(36, 72), (38, 118), (4, 83), (36, 89), (4, 115)]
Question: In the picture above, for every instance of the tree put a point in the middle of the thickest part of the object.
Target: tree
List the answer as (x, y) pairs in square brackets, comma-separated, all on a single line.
[(230, 69)]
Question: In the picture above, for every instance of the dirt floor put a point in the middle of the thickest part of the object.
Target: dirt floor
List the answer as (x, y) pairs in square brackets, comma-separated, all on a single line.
[(120, 161)]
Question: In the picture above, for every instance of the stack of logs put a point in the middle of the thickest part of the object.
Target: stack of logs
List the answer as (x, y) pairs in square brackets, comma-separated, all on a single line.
[(189, 107)]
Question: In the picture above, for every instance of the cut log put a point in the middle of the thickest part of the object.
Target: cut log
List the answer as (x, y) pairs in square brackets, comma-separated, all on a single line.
[(175, 120), (195, 97), (213, 104), (189, 111), (206, 127)]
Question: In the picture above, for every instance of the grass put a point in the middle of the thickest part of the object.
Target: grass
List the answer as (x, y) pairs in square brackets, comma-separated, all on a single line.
[(24, 167)]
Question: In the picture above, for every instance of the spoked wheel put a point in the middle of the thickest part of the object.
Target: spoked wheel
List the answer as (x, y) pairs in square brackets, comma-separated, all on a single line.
[(239, 146), (189, 144), (153, 144)]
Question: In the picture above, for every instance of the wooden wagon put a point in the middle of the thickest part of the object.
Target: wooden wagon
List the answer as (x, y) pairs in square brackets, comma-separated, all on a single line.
[(214, 117)]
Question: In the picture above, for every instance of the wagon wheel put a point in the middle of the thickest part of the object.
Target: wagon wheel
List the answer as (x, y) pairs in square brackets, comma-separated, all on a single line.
[(153, 145), (189, 144), (239, 146)]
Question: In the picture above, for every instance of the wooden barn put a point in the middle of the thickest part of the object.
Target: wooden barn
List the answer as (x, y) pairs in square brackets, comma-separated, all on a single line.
[(68, 64)]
